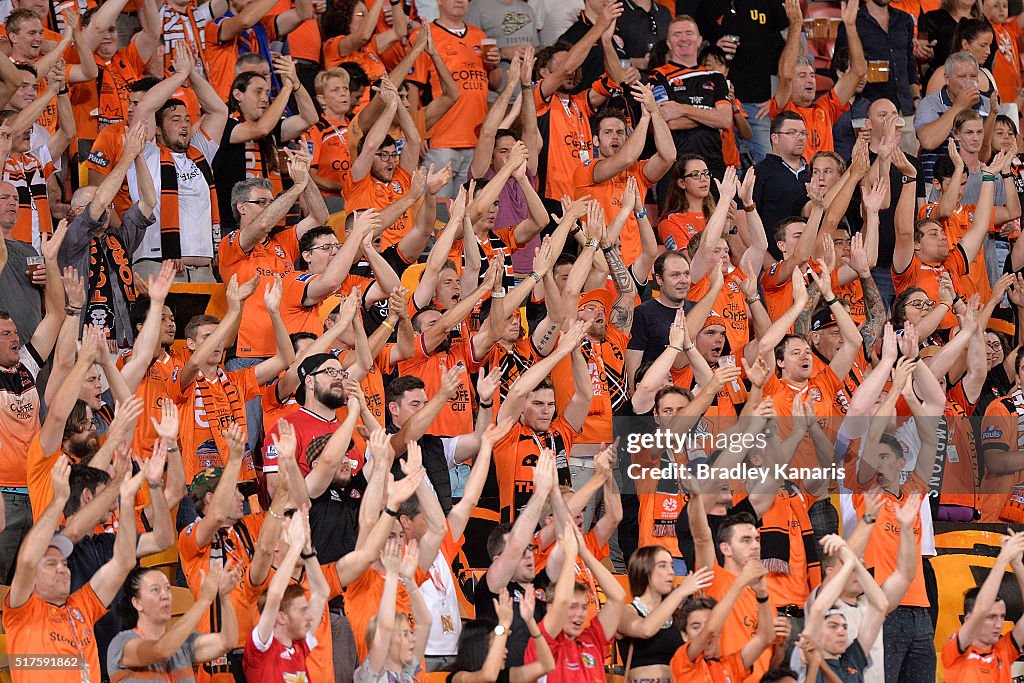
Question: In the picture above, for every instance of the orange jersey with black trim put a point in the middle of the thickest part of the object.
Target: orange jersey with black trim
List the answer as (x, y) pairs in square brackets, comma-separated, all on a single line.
[(274, 257), (332, 158), (974, 665), (104, 101), (456, 417), (607, 363), (1002, 431), (206, 408), (564, 120), (154, 389), (222, 57), (850, 382), (819, 119), (956, 226), (609, 195), (882, 549), (731, 304), (464, 57), (515, 458), (926, 276), (29, 175), (513, 361), (370, 193), (741, 625), (677, 229)]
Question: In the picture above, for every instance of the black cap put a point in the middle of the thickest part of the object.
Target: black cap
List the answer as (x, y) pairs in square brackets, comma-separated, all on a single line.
[(822, 318), (307, 368)]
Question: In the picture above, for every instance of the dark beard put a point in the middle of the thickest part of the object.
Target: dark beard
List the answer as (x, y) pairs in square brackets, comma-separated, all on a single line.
[(83, 451), (329, 400)]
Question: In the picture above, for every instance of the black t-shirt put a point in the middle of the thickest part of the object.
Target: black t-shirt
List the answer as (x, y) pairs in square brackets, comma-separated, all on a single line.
[(887, 217), (686, 545), (849, 667), (231, 165), (334, 519), (652, 321), (519, 638), (701, 88), (593, 64), (758, 24)]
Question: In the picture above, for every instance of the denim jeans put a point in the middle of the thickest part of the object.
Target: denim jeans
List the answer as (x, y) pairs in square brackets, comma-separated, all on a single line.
[(18, 514), (996, 252), (253, 408), (759, 144), (909, 646), (882, 275)]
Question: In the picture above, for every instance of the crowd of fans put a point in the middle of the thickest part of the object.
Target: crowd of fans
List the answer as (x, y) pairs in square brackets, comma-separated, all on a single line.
[(398, 453)]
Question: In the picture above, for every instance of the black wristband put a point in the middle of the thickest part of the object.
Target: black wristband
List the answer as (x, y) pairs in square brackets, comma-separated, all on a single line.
[(63, 91), (485, 406), (308, 556), (761, 601), (391, 512), (1006, 175), (828, 304)]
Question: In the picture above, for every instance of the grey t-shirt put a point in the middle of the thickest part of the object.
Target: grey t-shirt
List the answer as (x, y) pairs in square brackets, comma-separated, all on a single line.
[(508, 23), (365, 674), (973, 189), (18, 296), (178, 666)]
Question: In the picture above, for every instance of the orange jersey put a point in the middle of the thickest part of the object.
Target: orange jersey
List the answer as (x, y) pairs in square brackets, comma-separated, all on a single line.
[(566, 120), (274, 257), (104, 101), (39, 628), (362, 600), (731, 304), (456, 417), (677, 229), (19, 416), (778, 293), (609, 195), (788, 516), (721, 670), (973, 665), (515, 458), (236, 544), (1002, 431), (956, 226), (40, 485), (850, 382), (104, 154), (583, 574), (366, 57), (926, 276), (373, 383), (854, 293), (463, 55), (823, 390), (274, 408), (740, 627), (370, 193), (332, 159), (819, 119), (661, 501), (1006, 63), (296, 316), (154, 389), (881, 552), (305, 41), (513, 361), (206, 408), (29, 174), (606, 361)]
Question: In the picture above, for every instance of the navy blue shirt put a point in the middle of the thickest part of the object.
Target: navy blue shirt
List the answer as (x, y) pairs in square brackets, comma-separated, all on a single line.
[(896, 47)]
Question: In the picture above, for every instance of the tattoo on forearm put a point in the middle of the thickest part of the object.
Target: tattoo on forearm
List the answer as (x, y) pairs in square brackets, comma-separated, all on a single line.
[(874, 312), (622, 312)]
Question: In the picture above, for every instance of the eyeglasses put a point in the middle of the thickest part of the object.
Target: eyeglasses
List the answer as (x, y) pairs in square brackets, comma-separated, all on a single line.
[(694, 175), (994, 345), (530, 549), (333, 373), (794, 133), (387, 156), (259, 202), (921, 304), (327, 247)]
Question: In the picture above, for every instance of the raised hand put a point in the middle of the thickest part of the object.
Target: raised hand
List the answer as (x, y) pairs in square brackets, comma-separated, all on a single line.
[(238, 293), (503, 608), (380, 445), (236, 439), (908, 513), (153, 469), (74, 287), (285, 442), (411, 561), (496, 432), (403, 489), (488, 383), (208, 589), (698, 580), (272, 294), (59, 478)]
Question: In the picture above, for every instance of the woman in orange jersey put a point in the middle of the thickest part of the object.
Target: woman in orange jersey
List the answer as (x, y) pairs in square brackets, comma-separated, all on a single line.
[(689, 204), (651, 637), (150, 644), (350, 35), (1006, 64)]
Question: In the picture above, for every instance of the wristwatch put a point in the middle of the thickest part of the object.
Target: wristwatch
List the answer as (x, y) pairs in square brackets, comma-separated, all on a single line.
[(499, 630), (869, 518)]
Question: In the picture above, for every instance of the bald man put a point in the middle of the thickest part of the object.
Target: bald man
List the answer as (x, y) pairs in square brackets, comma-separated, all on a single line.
[(20, 294), (110, 282)]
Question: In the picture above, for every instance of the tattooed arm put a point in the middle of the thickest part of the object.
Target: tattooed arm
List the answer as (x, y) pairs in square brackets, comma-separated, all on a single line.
[(871, 330), (803, 322), (625, 302)]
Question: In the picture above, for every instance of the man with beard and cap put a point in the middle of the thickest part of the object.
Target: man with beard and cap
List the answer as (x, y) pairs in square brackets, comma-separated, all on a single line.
[(41, 614), (102, 255), (324, 387), (558, 71), (797, 89)]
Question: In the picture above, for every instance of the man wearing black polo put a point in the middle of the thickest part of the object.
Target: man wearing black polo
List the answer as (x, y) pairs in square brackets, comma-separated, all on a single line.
[(780, 187)]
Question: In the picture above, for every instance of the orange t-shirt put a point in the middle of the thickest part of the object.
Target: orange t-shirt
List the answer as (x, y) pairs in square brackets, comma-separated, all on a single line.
[(515, 458), (608, 375), (854, 293), (235, 544), (39, 628), (370, 193), (456, 417), (731, 304), (93, 110), (978, 666), (1001, 432), (29, 175), (956, 226), (926, 276), (362, 600), (823, 388), (677, 229), (1006, 63), (206, 408), (153, 390), (609, 195), (583, 574), (221, 58), (40, 484), (19, 416), (819, 119), (778, 296), (566, 120), (331, 156), (373, 384), (276, 256), (366, 57), (722, 670), (881, 552), (305, 41), (463, 55), (740, 627)]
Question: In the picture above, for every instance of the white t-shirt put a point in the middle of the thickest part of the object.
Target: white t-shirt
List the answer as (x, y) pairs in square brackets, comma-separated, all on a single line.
[(439, 592), (194, 210)]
